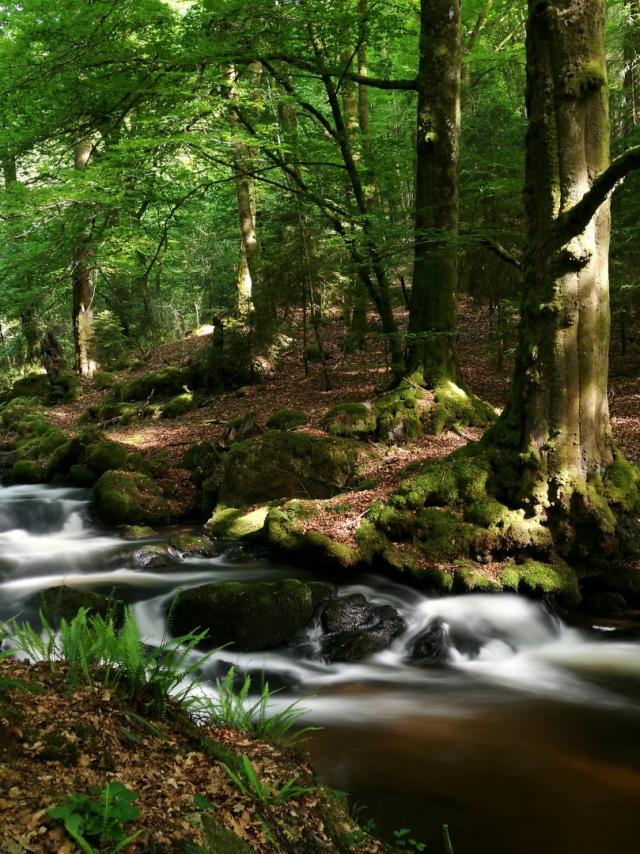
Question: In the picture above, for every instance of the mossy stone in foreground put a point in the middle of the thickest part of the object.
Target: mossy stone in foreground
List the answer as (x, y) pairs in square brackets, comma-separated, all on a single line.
[(265, 615), (220, 839), (193, 545), (129, 498), (105, 456), (58, 603)]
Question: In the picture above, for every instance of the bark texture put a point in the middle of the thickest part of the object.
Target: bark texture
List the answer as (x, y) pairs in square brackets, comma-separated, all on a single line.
[(82, 277), (432, 321), (557, 417)]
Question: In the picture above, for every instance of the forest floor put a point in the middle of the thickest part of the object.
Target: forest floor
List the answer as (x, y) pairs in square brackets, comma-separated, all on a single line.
[(353, 377), (57, 741)]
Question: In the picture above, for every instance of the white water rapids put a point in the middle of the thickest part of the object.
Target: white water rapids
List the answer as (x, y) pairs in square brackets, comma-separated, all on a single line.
[(514, 671)]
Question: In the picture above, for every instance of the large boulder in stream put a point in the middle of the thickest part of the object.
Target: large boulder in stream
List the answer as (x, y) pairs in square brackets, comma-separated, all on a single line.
[(356, 629), (265, 615), (62, 602), (129, 498)]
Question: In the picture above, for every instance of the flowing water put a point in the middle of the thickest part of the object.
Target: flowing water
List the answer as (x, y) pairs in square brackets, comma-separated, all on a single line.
[(528, 740)]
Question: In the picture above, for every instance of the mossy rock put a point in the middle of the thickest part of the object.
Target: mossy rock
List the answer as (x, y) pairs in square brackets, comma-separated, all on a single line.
[(155, 556), (287, 419), (80, 475), (110, 412), (221, 840), (475, 579), (264, 615), (26, 471), (290, 529), (129, 498), (15, 410), (455, 407), (137, 532), (201, 459), (167, 382), (193, 545), (62, 458), (62, 602), (65, 388), (288, 465), (33, 385), (104, 456), (103, 380), (402, 414), (231, 523), (178, 406), (538, 579), (351, 419)]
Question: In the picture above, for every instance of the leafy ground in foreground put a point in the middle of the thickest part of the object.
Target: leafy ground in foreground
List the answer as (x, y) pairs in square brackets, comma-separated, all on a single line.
[(55, 742)]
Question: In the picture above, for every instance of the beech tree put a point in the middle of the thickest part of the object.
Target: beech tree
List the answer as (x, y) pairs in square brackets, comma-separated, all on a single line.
[(554, 451)]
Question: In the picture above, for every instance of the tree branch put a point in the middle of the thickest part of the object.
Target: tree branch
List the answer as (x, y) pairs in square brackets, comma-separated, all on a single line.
[(406, 85), (499, 250), (576, 219)]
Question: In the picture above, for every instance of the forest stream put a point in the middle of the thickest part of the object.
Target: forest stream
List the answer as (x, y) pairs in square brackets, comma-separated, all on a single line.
[(527, 740)]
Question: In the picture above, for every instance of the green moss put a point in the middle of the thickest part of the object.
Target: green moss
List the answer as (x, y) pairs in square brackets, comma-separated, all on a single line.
[(103, 380), (63, 602), (168, 381), (402, 413), (33, 385), (475, 579), (622, 483), (65, 389), (350, 419), (542, 579), (201, 459), (26, 471), (236, 524), (105, 456), (80, 475), (129, 498), (138, 532), (288, 465), (287, 419), (454, 407), (253, 616), (456, 480), (193, 545), (116, 413), (178, 406), (14, 411), (290, 528)]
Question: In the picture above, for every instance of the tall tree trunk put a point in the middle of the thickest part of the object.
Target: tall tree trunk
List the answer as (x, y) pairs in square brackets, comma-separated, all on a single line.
[(631, 81), (557, 416), (250, 267), (83, 281), (432, 319)]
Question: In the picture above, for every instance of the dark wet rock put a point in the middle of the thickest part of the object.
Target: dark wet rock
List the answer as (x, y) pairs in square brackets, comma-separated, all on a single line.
[(432, 646), (57, 603), (357, 629), (265, 615), (347, 614), (152, 557), (193, 545), (607, 604)]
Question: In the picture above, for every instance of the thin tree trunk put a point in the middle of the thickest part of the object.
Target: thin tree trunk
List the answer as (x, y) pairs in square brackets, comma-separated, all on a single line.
[(83, 283), (432, 318), (631, 80), (264, 315)]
